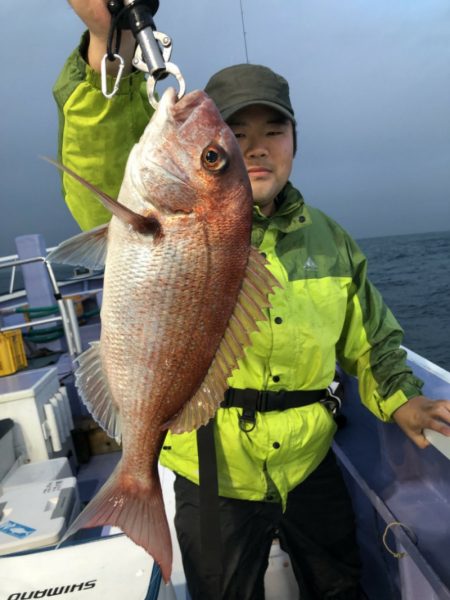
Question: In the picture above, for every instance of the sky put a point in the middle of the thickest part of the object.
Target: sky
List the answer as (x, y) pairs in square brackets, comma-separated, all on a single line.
[(370, 85)]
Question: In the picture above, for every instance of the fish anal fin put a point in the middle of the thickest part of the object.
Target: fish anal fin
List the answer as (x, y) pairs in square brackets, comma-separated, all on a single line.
[(250, 308), (94, 391)]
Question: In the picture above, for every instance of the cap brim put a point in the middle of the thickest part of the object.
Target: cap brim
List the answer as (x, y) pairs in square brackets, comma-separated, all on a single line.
[(228, 112)]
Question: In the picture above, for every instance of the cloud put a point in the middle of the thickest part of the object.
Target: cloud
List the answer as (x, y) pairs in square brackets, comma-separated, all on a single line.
[(369, 83)]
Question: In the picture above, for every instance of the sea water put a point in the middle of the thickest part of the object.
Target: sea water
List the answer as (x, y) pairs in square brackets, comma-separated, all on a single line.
[(412, 272)]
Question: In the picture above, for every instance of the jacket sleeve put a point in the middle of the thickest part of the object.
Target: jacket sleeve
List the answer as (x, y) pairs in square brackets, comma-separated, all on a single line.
[(96, 134), (369, 347)]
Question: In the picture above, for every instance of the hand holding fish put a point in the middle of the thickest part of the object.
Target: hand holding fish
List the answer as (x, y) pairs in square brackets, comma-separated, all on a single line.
[(421, 413), (97, 18)]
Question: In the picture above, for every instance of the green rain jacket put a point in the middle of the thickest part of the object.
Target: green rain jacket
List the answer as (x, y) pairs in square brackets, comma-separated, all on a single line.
[(327, 311)]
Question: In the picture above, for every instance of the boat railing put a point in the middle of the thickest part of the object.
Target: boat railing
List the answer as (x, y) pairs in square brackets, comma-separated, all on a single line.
[(430, 369), (67, 314), (9, 262), (87, 277)]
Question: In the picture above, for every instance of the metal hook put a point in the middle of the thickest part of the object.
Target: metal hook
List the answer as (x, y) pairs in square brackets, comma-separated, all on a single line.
[(117, 79), (170, 69)]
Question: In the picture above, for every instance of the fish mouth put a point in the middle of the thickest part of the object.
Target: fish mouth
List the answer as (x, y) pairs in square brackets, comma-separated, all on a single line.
[(180, 112), (165, 158), (183, 110), (154, 170)]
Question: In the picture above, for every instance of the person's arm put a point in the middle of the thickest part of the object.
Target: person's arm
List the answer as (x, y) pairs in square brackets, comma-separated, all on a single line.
[(369, 348), (96, 134)]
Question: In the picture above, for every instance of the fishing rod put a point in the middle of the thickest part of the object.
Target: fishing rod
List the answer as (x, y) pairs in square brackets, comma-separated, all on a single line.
[(153, 49)]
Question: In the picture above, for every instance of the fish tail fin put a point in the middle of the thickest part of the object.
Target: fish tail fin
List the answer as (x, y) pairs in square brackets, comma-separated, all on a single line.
[(138, 509)]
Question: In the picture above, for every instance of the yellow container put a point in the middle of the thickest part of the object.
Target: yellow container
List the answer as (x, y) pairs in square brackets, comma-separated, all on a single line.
[(12, 352)]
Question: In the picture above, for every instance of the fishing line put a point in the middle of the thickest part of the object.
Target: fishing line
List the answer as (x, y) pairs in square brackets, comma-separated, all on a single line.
[(244, 33)]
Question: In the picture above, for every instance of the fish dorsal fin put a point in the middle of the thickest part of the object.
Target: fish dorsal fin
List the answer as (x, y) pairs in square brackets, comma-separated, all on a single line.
[(145, 224), (258, 283), (93, 388), (87, 249)]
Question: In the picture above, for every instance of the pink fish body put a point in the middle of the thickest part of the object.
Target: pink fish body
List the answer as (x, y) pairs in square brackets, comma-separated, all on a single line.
[(182, 291)]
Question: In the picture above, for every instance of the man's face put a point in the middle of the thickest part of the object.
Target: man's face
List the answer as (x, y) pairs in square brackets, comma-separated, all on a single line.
[(266, 140)]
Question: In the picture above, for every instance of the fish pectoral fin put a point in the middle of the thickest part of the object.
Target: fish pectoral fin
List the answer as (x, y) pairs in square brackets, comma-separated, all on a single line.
[(87, 249), (93, 388), (144, 224), (250, 307)]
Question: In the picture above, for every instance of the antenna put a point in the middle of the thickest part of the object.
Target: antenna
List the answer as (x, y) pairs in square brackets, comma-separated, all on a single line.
[(243, 31)]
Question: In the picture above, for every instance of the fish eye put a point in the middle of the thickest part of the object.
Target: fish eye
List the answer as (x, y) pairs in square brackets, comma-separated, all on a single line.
[(214, 158)]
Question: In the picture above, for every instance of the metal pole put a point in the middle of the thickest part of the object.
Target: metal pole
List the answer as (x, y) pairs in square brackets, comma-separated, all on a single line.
[(31, 324)]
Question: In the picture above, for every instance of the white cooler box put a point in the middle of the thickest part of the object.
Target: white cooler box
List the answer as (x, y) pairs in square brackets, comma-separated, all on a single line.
[(7, 454), (43, 471), (37, 514), (40, 408)]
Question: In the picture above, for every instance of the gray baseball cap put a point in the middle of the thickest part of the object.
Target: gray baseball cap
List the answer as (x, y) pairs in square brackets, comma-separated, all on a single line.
[(239, 86)]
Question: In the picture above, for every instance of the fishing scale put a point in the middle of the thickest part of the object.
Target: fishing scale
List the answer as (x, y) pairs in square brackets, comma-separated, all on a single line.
[(153, 50)]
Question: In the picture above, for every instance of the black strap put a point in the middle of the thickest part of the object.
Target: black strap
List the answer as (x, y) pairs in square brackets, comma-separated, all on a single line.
[(250, 401), (264, 401), (209, 510)]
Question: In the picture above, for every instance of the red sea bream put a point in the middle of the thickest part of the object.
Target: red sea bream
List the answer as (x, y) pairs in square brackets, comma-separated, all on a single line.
[(182, 291)]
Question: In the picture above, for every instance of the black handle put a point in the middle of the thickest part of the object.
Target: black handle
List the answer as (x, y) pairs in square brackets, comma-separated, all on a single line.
[(139, 14)]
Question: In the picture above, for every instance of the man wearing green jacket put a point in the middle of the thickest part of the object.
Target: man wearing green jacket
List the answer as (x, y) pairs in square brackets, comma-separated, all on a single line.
[(276, 471)]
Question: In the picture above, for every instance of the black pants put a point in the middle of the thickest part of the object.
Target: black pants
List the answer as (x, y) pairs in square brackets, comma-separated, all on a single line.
[(317, 531)]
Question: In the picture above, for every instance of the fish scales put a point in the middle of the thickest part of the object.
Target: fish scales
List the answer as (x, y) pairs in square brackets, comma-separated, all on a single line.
[(162, 347), (174, 318)]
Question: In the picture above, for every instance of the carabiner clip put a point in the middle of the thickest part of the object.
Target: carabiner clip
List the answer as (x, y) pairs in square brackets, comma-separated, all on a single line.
[(117, 79), (170, 69), (247, 420)]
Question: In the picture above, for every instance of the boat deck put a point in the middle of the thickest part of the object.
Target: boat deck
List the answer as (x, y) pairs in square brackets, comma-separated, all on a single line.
[(400, 496)]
